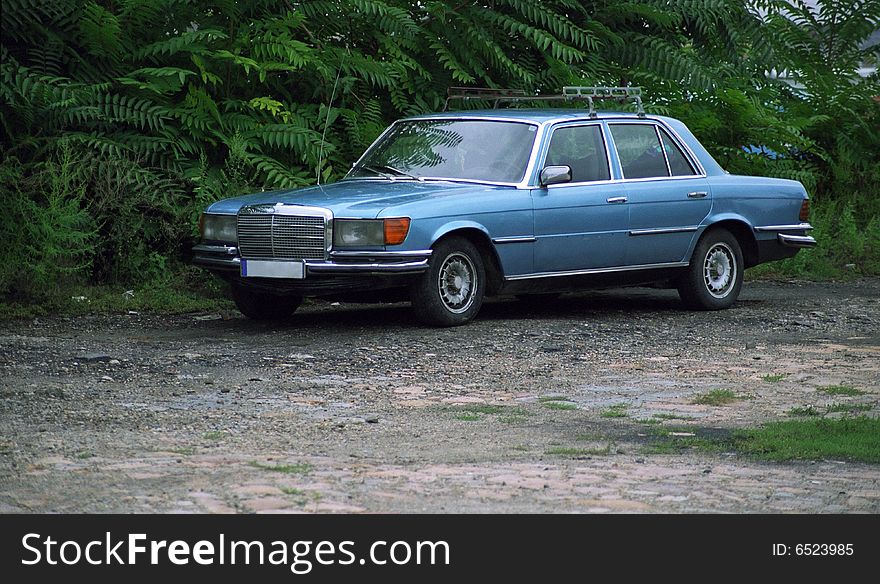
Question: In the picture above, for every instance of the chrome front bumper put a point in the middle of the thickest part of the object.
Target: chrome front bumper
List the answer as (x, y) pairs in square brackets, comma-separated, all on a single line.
[(226, 258)]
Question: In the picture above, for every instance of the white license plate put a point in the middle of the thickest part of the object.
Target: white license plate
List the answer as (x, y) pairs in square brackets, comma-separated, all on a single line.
[(273, 269)]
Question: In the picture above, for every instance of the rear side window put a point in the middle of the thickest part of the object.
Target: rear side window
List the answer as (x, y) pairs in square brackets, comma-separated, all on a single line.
[(678, 163), (639, 150), (583, 149)]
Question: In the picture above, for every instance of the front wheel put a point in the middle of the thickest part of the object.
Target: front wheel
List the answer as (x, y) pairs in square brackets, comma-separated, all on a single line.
[(714, 277), (260, 305), (450, 292)]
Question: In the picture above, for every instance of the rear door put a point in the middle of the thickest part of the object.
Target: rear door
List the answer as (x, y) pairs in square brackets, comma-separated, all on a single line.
[(668, 196), (582, 224)]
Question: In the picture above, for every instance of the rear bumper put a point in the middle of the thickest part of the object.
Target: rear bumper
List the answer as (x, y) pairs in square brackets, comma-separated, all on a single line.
[(788, 241), (798, 241), (225, 258)]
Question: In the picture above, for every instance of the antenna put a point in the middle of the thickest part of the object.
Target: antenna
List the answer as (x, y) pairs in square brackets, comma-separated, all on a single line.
[(327, 120)]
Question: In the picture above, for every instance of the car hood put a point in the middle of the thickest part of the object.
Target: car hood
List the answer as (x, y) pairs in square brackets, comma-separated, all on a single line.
[(354, 198)]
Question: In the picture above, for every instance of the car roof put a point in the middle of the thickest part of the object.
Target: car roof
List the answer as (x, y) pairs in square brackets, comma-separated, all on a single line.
[(537, 116)]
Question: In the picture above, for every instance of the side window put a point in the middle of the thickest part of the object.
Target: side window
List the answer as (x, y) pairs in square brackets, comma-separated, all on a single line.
[(583, 149), (678, 163), (639, 150)]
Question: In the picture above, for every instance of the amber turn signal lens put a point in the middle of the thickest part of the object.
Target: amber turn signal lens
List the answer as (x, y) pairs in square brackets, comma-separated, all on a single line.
[(804, 216), (396, 230)]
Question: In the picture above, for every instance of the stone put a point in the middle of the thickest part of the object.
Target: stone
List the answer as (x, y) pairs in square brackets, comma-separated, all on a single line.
[(93, 357)]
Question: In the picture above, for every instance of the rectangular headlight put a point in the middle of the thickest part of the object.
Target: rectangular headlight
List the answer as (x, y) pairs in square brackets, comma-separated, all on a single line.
[(358, 232), (219, 228)]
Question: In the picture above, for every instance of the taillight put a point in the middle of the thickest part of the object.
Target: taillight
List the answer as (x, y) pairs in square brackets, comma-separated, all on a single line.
[(396, 230), (805, 211)]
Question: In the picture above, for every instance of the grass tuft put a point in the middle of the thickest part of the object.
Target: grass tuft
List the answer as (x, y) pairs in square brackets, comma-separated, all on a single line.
[(468, 417), (298, 468), (615, 411), (804, 411), (575, 452), (849, 408), (847, 438), (773, 377), (841, 390)]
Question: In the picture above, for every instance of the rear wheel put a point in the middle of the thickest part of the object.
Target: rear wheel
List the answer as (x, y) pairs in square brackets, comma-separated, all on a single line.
[(714, 278), (450, 292), (260, 305)]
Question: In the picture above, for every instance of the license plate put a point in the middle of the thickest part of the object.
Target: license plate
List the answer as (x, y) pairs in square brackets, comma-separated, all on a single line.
[(273, 269)]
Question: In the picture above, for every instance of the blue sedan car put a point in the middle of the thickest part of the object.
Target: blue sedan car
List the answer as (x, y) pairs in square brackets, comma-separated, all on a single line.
[(447, 209)]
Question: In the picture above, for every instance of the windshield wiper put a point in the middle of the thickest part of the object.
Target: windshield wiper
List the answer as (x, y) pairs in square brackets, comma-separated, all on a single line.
[(384, 169)]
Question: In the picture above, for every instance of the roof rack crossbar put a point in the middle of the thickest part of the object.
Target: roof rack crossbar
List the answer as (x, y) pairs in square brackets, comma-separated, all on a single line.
[(569, 93)]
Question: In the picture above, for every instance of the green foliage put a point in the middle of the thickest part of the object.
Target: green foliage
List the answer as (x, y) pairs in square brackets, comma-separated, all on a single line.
[(168, 105), (49, 240), (848, 438)]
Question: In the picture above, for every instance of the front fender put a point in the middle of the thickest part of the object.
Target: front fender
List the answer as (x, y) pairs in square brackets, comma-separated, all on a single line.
[(448, 228)]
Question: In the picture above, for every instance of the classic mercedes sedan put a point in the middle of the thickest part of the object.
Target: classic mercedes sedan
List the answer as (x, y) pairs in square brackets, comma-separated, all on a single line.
[(447, 209)]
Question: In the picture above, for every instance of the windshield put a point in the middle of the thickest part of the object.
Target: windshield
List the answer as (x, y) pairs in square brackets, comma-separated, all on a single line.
[(484, 150)]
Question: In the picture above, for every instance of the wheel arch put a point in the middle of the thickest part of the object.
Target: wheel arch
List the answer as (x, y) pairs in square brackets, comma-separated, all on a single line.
[(744, 234), (478, 235)]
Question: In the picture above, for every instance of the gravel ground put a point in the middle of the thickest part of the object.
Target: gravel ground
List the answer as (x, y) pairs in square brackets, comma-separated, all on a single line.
[(346, 408)]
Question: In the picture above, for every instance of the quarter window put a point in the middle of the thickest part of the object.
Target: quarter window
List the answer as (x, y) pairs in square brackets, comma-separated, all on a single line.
[(639, 150), (583, 149), (678, 163)]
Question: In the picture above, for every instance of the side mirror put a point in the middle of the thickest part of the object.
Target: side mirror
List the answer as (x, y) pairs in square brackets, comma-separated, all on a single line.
[(553, 175)]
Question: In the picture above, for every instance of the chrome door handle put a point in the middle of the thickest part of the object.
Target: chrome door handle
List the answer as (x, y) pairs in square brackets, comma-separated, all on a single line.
[(616, 200), (697, 194)]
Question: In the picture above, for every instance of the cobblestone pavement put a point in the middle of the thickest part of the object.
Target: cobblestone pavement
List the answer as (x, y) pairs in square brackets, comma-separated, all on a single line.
[(584, 404)]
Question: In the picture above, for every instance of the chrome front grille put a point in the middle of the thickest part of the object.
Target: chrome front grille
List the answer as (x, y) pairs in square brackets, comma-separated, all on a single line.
[(282, 236)]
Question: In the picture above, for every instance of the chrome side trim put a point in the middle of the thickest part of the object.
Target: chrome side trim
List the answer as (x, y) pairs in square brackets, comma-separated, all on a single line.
[(597, 271), (524, 239), (796, 240), (385, 255), (220, 249), (662, 231), (798, 227), (412, 267)]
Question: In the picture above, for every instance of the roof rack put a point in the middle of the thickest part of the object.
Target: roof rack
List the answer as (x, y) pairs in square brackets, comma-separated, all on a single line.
[(569, 93)]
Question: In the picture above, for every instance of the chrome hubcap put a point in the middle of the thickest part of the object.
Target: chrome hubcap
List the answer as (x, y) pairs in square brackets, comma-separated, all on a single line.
[(719, 270), (457, 283)]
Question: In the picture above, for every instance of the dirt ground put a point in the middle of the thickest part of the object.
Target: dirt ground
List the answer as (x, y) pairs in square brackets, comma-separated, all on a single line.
[(358, 409)]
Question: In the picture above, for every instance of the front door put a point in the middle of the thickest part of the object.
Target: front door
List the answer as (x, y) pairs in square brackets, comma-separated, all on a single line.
[(580, 225)]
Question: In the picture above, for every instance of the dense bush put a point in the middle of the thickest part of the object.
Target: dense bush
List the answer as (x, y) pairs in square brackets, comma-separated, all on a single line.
[(122, 119)]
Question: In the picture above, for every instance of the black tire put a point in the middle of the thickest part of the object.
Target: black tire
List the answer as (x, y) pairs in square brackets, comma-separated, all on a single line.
[(714, 277), (260, 305), (451, 291)]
